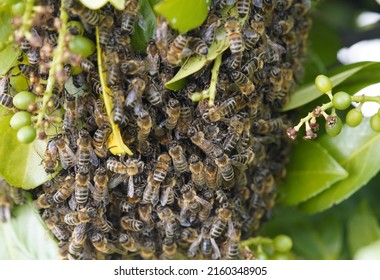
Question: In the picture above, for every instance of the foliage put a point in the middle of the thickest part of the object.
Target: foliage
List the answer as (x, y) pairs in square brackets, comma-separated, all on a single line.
[(24, 237)]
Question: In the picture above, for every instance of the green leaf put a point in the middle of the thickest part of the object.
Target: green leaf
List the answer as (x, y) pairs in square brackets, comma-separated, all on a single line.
[(370, 72), (183, 15), (362, 228), (369, 252), (310, 171), (8, 55), (21, 164), (24, 237), (97, 4), (143, 33), (357, 151), (317, 237), (197, 62)]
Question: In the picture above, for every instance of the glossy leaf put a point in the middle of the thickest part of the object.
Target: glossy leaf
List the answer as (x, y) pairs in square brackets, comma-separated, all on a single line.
[(314, 238), (362, 228), (340, 76), (21, 164), (24, 237), (369, 252), (197, 62), (97, 4), (310, 171), (144, 27), (8, 55), (183, 15), (357, 151)]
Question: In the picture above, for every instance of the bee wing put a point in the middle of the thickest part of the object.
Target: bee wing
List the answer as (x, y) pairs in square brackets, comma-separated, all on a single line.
[(194, 246), (131, 187), (93, 158), (204, 202), (116, 180), (216, 255), (164, 196), (91, 187), (73, 203)]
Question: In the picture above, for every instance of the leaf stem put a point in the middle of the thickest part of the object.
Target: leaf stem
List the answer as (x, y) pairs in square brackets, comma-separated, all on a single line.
[(214, 79), (56, 64), (121, 148)]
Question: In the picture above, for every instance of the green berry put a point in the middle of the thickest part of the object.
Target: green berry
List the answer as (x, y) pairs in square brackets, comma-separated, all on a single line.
[(18, 9), (282, 243), (323, 83), (375, 122), (26, 134), (341, 100), (354, 117), (22, 99), (333, 129), (82, 45), (75, 27), (20, 119)]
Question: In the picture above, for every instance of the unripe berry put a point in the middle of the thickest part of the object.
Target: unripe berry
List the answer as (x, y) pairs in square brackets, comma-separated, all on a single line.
[(323, 83)]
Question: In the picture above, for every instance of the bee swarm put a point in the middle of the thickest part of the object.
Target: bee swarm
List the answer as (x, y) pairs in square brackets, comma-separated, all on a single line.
[(201, 178)]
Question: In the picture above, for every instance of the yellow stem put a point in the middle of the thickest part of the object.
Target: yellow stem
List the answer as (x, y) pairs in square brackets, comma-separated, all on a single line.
[(214, 79), (121, 148)]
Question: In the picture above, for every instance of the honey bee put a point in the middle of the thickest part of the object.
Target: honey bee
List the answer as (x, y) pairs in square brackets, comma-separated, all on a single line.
[(127, 242), (190, 196), (50, 160), (243, 82), (100, 193), (233, 30), (205, 145), (17, 195), (169, 221), (300, 9), (153, 95), (173, 111), (100, 137), (152, 58), (148, 250), (243, 7), (6, 100), (250, 37), (167, 194), (268, 126), (102, 223), (252, 66), (116, 166), (151, 191), (113, 71), (227, 109), (224, 166), (162, 167), (64, 192), (219, 224), (198, 46), (178, 49), (282, 5), (178, 157), (87, 16), (169, 249), (144, 122), (197, 170), (70, 116), (242, 160), (78, 238), (57, 230), (33, 55), (231, 247), (184, 120), (85, 153), (145, 214), (86, 214), (131, 224), (100, 242), (87, 65), (71, 218), (129, 16), (82, 186), (258, 24), (133, 67), (283, 27), (105, 31), (44, 201), (209, 32), (205, 244), (211, 175), (189, 235), (231, 140)]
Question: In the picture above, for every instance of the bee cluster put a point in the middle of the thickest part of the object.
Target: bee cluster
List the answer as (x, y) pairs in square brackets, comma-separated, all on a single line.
[(9, 196), (201, 177)]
